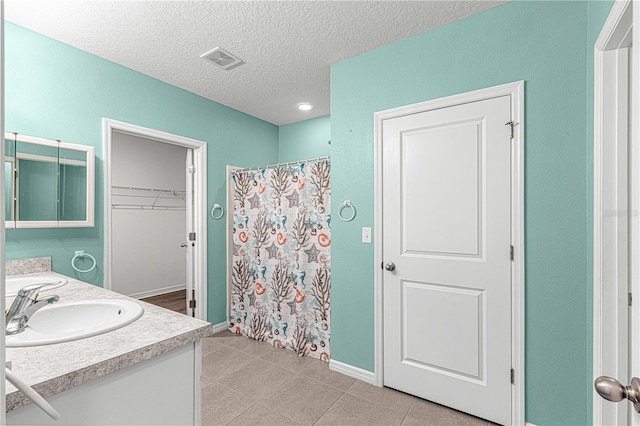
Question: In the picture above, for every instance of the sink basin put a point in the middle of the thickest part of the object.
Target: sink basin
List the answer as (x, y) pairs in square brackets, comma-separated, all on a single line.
[(63, 322), (13, 284)]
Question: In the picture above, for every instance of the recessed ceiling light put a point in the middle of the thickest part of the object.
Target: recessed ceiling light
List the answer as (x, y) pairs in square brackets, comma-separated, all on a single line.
[(305, 106)]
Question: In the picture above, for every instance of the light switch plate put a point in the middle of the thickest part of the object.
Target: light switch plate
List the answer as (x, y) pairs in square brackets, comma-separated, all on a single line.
[(366, 235)]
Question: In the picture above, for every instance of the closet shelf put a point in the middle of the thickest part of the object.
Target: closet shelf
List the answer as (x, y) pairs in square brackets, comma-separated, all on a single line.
[(141, 198)]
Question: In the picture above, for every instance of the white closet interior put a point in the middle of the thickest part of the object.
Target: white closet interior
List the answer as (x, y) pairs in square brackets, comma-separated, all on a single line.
[(148, 216)]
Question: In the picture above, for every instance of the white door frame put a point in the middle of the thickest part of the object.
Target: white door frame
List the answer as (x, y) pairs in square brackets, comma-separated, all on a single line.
[(110, 126), (2, 224), (230, 220), (516, 91), (616, 198)]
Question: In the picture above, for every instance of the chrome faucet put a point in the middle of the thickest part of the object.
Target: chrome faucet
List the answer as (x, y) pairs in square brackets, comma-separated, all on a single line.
[(24, 306)]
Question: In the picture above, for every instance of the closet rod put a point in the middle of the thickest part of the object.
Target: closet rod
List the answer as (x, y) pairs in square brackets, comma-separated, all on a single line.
[(151, 196), (137, 188), (327, 157), (141, 207)]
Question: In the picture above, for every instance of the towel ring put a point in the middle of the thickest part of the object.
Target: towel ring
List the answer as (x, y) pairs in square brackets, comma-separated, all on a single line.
[(213, 211), (80, 254), (344, 205)]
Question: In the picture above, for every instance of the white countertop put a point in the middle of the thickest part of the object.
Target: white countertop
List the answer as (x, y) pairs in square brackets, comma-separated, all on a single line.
[(51, 369)]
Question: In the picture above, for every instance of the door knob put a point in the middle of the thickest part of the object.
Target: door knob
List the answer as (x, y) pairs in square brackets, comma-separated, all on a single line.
[(390, 266), (612, 390), (184, 245)]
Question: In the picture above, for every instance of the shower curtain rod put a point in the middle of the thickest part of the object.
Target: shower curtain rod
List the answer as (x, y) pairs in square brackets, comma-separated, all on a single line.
[(326, 157)]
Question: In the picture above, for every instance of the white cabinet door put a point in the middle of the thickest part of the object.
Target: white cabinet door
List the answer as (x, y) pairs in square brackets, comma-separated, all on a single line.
[(164, 390)]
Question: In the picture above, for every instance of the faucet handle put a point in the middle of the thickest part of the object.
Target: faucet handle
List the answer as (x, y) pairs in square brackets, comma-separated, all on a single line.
[(31, 291)]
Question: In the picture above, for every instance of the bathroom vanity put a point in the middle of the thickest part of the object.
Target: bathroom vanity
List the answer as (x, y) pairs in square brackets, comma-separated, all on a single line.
[(147, 372)]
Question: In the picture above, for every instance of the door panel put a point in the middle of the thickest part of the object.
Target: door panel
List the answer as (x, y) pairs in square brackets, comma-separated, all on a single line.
[(433, 348), (442, 219), (447, 228)]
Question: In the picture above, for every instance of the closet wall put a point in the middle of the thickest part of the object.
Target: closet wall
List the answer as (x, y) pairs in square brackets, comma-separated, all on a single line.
[(147, 226)]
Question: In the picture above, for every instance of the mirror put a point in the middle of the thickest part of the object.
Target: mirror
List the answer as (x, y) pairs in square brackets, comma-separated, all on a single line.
[(9, 173), (48, 184), (36, 181), (72, 197)]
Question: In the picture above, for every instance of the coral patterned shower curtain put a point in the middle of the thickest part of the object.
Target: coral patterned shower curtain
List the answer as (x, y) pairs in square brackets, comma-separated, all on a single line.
[(281, 276)]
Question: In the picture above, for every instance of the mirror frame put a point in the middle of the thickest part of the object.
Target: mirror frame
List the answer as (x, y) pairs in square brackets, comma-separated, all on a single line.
[(90, 194)]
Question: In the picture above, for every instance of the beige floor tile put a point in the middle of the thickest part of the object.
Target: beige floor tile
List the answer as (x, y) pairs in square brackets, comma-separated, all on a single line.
[(351, 410), (253, 347), (302, 399), (256, 380), (221, 405), (205, 381), (224, 361), (209, 344), (288, 359), (226, 337), (314, 395), (384, 397), (260, 415), (428, 413), (319, 370)]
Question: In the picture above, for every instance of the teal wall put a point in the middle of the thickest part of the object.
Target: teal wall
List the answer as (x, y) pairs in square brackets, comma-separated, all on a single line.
[(58, 92), (549, 45), (305, 139)]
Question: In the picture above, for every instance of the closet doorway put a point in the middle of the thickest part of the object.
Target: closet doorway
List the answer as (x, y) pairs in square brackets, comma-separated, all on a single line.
[(155, 232)]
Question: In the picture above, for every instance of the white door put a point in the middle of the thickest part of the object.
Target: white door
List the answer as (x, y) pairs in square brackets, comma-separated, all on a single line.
[(616, 225), (447, 254), (191, 235)]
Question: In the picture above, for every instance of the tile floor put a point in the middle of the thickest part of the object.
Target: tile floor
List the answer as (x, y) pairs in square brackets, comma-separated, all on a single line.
[(246, 382)]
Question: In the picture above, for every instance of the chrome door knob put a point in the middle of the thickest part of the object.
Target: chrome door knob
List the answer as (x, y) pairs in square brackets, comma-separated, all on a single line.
[(612, 390), (390, 266)]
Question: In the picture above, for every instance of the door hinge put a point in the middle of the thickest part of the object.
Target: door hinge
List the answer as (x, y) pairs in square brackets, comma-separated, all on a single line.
[(510, 123), (192, 236), (630, 299), (192, 303), (192, 168), (511, 253), (513, 377)]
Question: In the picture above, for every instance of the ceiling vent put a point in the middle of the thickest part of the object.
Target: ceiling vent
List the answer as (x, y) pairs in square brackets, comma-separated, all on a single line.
[(222, 58)]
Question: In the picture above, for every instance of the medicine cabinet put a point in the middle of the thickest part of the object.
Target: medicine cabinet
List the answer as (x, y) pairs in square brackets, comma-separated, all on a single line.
[(48, 184)]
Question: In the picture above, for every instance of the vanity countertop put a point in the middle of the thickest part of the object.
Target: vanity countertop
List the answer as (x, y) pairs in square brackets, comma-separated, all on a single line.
[(51, 369)]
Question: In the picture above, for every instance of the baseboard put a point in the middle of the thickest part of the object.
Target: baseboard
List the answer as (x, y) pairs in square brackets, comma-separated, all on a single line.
[(529, 424), (351, 371), (217, 328), (158, 291)]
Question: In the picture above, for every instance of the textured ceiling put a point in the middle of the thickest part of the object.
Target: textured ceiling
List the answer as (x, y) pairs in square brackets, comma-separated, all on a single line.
[(287, 46)]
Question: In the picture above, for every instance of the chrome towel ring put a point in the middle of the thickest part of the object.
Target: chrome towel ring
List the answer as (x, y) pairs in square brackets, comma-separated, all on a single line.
[(345, 205), (219, 214), (80, 254)]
